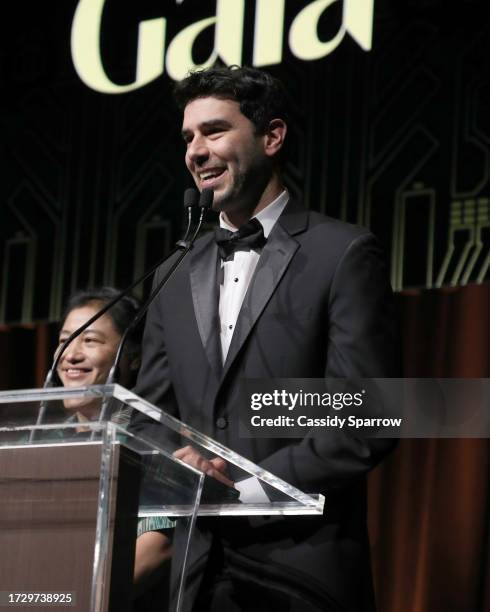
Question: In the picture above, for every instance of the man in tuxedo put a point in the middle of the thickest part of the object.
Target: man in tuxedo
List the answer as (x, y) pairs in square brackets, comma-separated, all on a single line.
[(278, 292)]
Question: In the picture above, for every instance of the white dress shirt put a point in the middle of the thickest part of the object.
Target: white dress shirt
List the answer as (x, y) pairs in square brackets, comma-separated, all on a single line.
[(237, 273)]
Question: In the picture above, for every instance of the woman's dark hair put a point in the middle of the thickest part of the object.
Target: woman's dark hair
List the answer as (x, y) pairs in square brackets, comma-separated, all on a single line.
[(122, 313), (261, 96)]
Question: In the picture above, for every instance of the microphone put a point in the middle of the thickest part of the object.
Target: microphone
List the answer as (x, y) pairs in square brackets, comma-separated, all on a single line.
[(206, 199), (191, 200), (205, 202)]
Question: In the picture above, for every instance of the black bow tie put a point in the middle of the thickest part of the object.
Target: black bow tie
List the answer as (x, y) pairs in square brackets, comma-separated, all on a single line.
[(249, 236)]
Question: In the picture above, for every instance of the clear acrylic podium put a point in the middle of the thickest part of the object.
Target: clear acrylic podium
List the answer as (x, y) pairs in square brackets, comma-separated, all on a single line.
[(72, 491)]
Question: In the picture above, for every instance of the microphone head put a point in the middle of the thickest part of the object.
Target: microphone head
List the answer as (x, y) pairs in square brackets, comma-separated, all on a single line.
[(191, 197), (206, 199)]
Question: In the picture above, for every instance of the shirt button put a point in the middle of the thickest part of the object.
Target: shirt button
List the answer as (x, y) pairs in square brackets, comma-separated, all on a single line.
[(221, 423), (236, 280), (230, 326)]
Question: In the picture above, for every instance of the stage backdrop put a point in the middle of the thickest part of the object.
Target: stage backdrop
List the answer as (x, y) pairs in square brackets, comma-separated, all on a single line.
[(390, 128)]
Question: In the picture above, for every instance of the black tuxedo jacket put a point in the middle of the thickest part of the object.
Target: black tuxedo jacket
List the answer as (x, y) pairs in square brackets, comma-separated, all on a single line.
[(319, 305)]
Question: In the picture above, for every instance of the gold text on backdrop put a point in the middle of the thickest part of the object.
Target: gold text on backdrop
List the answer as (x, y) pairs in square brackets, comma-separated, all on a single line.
[(228, 24)]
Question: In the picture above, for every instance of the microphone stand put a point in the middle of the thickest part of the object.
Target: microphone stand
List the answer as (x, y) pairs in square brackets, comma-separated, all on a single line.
[(190, 201), (205, 202)]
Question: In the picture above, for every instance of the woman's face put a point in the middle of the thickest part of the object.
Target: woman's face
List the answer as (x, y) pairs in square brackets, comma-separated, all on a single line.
[(89, 357)]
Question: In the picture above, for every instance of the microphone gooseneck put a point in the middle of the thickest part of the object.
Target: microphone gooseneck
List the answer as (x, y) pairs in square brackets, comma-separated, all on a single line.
[(191, 201), (205, 203)]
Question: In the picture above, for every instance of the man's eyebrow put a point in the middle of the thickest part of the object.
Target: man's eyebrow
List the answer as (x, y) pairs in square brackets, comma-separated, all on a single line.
[(215, 123), (207, 126)]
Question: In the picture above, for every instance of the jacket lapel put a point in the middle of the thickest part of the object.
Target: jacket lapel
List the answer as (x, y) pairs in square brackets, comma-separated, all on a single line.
[(273, 263), (205, 296)]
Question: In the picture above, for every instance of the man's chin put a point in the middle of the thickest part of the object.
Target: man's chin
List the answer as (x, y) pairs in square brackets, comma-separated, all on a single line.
[(224, 202), (220, 201)]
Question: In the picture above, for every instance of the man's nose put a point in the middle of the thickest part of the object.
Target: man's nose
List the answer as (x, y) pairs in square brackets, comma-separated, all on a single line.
[(197, 151)]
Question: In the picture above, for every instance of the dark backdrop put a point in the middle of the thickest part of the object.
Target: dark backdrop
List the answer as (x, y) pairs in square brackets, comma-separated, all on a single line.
[(396, 138)]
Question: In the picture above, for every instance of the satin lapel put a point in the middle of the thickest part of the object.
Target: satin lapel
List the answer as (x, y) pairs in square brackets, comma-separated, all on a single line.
[(273, 262), (205, 296)]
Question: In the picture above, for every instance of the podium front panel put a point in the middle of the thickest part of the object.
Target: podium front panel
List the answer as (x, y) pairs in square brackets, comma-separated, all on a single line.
[(71, 494)]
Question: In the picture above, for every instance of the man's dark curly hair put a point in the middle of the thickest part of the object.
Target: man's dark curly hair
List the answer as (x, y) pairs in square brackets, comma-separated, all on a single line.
[(261, 96)]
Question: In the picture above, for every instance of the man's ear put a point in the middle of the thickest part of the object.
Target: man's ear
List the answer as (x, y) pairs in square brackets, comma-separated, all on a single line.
[(274, 137)]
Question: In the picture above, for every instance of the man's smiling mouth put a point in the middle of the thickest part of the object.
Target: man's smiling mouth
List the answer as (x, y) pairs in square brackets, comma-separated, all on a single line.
[(209, 176)]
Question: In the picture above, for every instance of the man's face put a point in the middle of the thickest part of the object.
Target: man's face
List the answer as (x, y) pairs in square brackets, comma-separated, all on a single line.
[(89, 357), (224, 153)]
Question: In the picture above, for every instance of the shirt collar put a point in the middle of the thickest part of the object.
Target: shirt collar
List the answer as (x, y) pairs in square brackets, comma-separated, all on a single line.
[(267, 216)]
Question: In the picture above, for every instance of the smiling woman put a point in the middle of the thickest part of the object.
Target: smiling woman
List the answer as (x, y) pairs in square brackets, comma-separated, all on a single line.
[(87, 361), (88, 358)]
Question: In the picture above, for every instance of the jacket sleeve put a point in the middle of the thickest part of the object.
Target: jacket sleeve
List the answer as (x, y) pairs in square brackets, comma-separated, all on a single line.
[(362, 343)]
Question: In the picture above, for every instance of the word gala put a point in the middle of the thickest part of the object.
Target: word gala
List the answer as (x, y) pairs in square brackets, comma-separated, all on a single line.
[(154, 57)]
